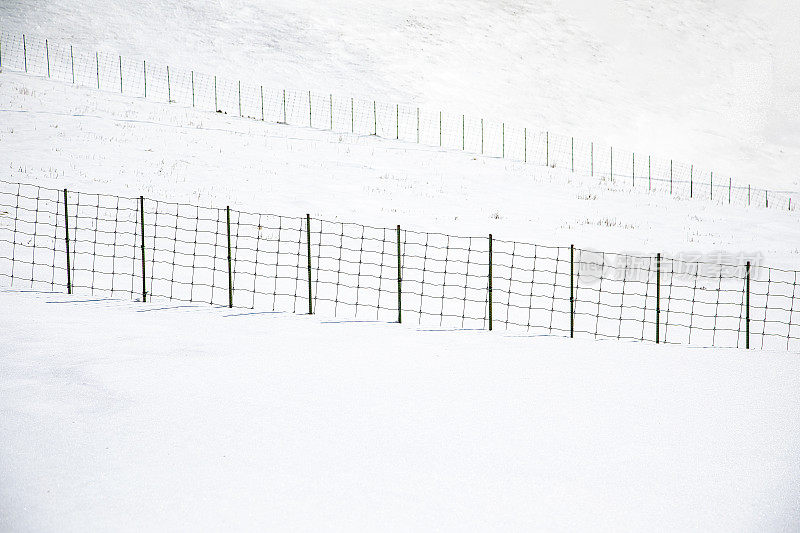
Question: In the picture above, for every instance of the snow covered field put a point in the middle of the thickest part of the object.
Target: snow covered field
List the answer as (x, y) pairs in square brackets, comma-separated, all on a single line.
[(119, 415), (131, 416)]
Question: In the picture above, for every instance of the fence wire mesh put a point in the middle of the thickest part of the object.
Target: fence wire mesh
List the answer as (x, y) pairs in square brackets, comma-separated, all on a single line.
[(616, 168), (163, 251)]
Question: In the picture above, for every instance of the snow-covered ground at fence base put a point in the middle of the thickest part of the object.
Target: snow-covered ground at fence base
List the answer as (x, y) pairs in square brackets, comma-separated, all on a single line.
[(130, 416)]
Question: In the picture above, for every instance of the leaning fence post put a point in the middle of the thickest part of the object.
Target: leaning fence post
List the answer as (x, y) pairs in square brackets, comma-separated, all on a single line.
[(230, 270), (571, 290), (144, 289), (308, 250), (66, 228), (490, 282), (658, 296), (747, 312), (399, 280)]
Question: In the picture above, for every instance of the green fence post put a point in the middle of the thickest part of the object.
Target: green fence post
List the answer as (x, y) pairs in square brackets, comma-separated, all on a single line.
[(399, 280), (490, 282), (747, 315), (525, 144), (658, 296), (144, 277), (66, 228), (308, 249), (47, 52), (230, 270), (572, 290), (547, 148), (72, 63)]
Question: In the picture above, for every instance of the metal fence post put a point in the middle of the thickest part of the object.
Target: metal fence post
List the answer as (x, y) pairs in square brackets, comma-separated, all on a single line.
[(658, 296), (66, 228), (547, 147), (230, 270), (490, 282), (399, 280), (25, 52), (169, 90), (72, 63), (120, 75), (144, 70), (747, 313), (308, 249), (503, 133), (375, 117), (144, 277), (97, 63), (240, 98), (47, 52), (191, 74), (571, 290)]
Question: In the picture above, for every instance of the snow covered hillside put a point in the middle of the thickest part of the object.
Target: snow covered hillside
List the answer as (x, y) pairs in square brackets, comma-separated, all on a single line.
[(167, 415), (712, 83), (124, 416)]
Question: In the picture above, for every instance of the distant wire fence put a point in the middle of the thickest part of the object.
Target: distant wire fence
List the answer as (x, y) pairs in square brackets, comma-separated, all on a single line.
[(144, 79), (152, 250)]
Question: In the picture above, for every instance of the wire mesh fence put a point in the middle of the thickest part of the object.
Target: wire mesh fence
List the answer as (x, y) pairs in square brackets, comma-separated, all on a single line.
[(153, 250), (616, 168)]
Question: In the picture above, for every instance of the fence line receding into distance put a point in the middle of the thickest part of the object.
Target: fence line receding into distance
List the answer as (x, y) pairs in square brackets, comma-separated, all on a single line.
[(619, 168)]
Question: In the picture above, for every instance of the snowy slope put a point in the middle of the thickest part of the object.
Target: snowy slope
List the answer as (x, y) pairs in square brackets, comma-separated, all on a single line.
[(705, 82), (142, 417), (61, 136)]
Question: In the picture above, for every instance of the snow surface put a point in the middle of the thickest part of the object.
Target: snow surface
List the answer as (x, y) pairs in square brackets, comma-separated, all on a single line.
[(128, 416), (712, 83)]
